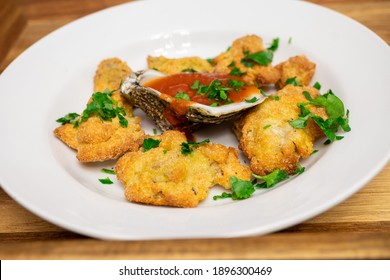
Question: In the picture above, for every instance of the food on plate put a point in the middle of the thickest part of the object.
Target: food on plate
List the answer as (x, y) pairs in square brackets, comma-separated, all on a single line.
[(269, 140), (171, 171), (297, 70), (187, 101), (275, 131), (178, 65), (110, 73), (248, 58), (107, 128)]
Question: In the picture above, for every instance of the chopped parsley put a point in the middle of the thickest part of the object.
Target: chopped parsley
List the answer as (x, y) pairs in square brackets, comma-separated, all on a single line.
[(271, 179), (182, 96), (102, 105), (150, 143), (235, 71), (235, 84), (337, 117), (186, 147), (266, 126), (242, 189), (190, 70), (307, 95), (71, 118), (262, 58), (275, 97), (274, 45), (215, 90), (252, 100), (106, 181), (292, 81), (108, 171), (300, 169), (317, 85), (105, 107)]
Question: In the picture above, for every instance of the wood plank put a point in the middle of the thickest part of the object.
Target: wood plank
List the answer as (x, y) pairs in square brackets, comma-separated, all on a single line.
[(12, 23), (276, 246)]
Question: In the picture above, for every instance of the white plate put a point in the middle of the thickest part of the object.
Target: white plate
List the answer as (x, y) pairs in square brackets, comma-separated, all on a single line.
[(54, 77)]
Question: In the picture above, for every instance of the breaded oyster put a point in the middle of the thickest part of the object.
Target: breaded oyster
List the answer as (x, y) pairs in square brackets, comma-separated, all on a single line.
[(299, 68), (100, 140), (178, 65), (166, 175), (267, 138), (233, 59)]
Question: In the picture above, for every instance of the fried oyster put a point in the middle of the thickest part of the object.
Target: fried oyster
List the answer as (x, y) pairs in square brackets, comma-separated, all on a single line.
[(266, 136), (299, 68), (177, 65), (164, 175), (98, 140), (234, 57)]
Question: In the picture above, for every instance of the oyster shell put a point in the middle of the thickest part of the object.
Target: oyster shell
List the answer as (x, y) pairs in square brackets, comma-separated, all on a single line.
[(155, 104)]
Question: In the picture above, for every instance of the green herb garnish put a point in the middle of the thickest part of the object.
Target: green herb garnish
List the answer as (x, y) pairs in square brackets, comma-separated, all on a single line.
[(271, 179), (190, 70), (182, 96), (292, 81), (150, 143), (108, 171), (337, 117), (235, 84), (252, 100), (274, 45), (186, 147), (241, 189), (105, 107), (71, 118), (317, 85), (266, 126), (262, 58), (106, 181), (235, 71)]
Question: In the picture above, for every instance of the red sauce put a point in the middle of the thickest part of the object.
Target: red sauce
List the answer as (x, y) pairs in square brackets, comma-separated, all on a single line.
[(171, 85), (182, 82)]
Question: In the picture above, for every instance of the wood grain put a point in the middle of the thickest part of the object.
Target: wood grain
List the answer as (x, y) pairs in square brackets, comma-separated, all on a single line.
[(12, 23), (358, 228)]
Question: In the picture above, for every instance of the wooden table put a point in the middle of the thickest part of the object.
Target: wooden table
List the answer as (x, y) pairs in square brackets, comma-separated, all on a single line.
[(358, 228)]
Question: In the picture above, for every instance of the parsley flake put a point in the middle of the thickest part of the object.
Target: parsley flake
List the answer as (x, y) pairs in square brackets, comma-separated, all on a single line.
[(271, 179), (106, 181), (337, 117), (262, 58), (182, 96), (105, 107), (71, 118), (108, 171), (150, 143), (186, 147), (274, 45), (252, 100)]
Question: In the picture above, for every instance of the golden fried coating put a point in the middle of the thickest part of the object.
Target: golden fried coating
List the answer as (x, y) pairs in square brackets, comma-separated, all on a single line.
[(267, 138), (178, 65), (299, 67), (110, 73), (165, 176), (262, 75), (97, 140)]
